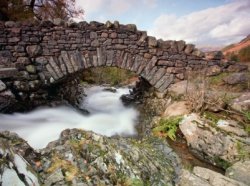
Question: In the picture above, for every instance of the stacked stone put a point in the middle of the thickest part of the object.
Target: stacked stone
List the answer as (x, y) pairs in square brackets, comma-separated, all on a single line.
[(36, 55)]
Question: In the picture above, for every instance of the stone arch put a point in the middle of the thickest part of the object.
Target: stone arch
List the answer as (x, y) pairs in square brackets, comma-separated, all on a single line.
[(40, 54)]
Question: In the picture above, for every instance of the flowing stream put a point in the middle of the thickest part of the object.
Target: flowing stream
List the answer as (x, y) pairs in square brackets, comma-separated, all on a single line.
[(108, 116)]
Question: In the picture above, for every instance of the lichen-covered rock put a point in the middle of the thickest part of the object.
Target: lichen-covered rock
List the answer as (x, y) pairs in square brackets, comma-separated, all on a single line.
[(91, 159), (210, 143), (85, 158), (14, 169)]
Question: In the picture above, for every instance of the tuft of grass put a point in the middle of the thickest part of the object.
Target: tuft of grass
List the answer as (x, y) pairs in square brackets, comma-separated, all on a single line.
[(247, 115), (217, 80), (211, 117), (222, 163), (168, 127), (69, 170), (243, 154)]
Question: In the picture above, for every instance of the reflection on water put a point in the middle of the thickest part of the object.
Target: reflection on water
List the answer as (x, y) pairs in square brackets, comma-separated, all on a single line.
[(107, 116)]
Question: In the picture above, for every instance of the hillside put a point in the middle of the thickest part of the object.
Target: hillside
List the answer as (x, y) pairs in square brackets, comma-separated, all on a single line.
[(239, 51)]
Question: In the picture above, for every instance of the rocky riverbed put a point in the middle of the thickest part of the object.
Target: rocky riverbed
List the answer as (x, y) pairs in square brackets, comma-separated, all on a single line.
[(217, 135)]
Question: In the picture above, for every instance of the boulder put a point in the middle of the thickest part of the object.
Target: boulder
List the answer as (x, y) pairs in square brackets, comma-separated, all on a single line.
[(240, 171), (206, 177), (236, 78), (231, 126), (176, 109), (214, 55), (242, 103), (14, 169), (215, 178), (211, 144), (213, 70), (86, 158)]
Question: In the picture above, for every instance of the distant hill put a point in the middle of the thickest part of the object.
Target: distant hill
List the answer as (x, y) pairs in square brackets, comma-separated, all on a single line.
[(239, 51)]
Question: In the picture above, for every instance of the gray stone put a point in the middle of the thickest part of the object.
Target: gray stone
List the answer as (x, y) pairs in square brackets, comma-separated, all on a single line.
[(108, 24), (209, 143), (198, 53), (236, 78), (215, 178), (240, 171), (231, 126), (189, 48), (237, 68), (116, 24), (214, 55), (181, 45), (53, 63), (95, 43), (31, 69), (58, 22), (41, 61), (10, 24), (242, 103), (2, 86), (93, 35), (8, 72), (152, 42), (131, 27), (34, 50), (157, 75), (169, 79), (213, 70), (65, 58)]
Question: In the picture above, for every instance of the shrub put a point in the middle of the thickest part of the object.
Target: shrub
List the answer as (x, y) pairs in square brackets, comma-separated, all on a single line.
[(168, 127)]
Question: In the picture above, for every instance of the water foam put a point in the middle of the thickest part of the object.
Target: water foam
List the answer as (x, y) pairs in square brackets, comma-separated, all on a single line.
[(107, 116)]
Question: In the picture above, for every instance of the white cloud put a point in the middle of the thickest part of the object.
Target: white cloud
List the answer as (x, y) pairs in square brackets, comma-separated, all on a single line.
[(213, 26)]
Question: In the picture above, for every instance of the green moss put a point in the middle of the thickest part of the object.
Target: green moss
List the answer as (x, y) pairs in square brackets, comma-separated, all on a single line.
[(212, 117), (217, 80), (168, 127), (107, 75), (222, 163), (243, 154), (247, 115), (136, 182)]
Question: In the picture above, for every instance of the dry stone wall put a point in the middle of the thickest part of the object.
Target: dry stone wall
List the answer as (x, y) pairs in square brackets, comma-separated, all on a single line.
[(34, 55)]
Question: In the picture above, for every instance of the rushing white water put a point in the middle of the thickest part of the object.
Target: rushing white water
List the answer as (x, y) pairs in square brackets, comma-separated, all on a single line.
[(107, 116)]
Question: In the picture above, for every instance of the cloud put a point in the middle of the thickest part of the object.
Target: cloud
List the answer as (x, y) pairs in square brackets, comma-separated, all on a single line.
[(213, 26), (103, 9)]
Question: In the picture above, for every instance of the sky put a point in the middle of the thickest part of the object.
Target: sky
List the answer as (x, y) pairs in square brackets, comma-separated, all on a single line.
[(206, 23)]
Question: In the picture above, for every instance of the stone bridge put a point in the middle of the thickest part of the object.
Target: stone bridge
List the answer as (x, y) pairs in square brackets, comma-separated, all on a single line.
[(37, 55)]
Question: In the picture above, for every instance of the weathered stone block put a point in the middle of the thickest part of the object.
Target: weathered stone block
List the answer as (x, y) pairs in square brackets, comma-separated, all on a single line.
[(31, 69), (113, 35), (8, 72), (2, 86), (152, 42), (93, 35), (189, 48), (95, 43), (34, 50)]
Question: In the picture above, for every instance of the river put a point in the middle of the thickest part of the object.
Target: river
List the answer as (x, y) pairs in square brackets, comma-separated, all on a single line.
[(108, 116)]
